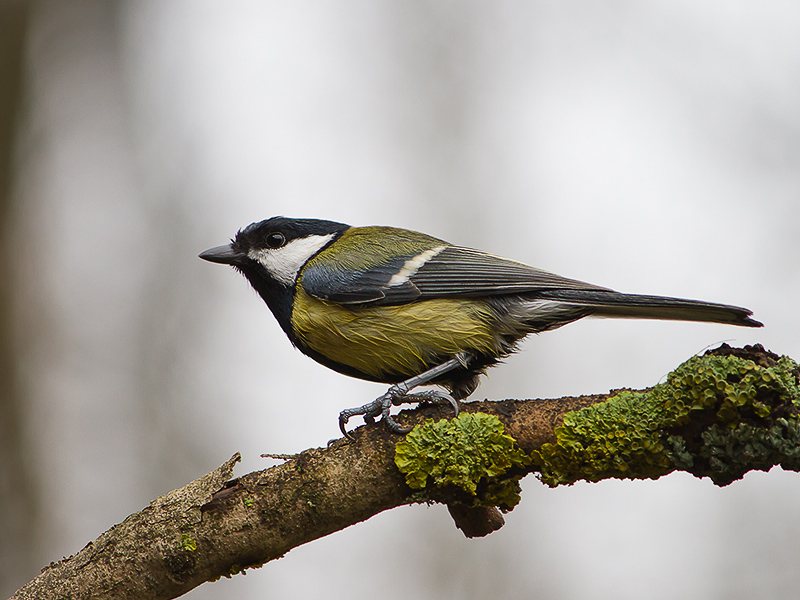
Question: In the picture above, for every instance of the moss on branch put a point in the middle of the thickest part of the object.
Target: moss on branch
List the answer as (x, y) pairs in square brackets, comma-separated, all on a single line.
[(717, 415)]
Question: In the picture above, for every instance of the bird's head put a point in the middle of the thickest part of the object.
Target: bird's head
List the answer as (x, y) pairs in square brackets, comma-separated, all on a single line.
[(272, 252)]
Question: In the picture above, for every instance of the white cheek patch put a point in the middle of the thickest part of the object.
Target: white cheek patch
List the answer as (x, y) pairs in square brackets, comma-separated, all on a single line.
[(412, 265), (284, 263)]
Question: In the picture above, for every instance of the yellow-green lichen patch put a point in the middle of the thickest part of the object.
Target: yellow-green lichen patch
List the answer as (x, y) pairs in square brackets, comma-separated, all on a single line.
[(617, 438), (717, 415), (187, 543), (469, 451), (734, 387)]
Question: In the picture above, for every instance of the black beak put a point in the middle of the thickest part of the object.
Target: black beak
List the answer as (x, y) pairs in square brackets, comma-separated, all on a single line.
[(225, 255)]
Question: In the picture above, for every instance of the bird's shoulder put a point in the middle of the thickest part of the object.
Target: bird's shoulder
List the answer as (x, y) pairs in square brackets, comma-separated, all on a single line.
[(359, 265)]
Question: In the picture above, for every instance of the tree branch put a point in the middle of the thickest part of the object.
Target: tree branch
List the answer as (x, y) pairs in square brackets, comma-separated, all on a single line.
[(719, 415)]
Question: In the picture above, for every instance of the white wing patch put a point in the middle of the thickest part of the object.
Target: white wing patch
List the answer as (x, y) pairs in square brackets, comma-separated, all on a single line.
[(284, 263), (412, 265)]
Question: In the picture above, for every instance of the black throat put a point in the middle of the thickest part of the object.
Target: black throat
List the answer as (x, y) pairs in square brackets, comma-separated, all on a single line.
[(278, 297)]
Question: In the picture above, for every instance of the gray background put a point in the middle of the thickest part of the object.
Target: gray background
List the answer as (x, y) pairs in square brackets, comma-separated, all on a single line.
[(651, 147)]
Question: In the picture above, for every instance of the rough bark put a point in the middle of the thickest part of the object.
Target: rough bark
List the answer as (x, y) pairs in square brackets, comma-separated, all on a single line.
[(218, 526)]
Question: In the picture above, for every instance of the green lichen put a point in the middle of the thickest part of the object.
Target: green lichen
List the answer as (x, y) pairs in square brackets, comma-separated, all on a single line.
[(617, 438), (732, 451), (187, 543), (471, 452), (235, 569), (717, 415), (734, 387)]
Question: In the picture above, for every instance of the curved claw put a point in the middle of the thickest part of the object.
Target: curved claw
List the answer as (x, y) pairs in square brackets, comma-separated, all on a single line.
[(389, 419), (343, 419), (432, 396), (369, 412), (453, 402)]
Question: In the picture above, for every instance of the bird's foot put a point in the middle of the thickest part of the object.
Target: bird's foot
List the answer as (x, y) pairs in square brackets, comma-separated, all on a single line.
[(369, 411), (394, 396), (429, 397)]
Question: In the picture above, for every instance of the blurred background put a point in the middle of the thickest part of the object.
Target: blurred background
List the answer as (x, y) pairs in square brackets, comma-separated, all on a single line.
[(651, 147)]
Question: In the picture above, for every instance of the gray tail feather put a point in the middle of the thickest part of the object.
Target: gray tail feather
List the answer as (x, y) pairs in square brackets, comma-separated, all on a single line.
[(635, 306)]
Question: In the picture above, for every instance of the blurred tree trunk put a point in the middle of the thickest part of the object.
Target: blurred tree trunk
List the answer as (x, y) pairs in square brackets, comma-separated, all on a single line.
[(18, 493)]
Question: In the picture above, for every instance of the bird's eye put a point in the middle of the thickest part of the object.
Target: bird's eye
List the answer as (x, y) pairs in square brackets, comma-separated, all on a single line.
[(276, 240)]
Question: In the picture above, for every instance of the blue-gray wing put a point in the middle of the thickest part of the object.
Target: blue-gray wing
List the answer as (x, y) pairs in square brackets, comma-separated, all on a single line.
[(441, 272)]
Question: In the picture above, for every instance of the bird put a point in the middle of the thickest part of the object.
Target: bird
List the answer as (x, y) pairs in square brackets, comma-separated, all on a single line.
[(404, 308)]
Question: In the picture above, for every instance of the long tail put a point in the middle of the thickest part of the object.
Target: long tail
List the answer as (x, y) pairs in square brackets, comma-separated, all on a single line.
[(613, 304)]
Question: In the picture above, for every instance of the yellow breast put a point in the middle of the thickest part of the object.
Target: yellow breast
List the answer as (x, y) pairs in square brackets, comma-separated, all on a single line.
[(391, 343)]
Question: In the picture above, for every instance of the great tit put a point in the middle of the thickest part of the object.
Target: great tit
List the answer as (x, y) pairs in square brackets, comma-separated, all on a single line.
[(401, 307)]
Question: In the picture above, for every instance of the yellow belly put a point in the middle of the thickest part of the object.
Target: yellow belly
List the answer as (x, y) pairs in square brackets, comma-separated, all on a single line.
[(390, 343)]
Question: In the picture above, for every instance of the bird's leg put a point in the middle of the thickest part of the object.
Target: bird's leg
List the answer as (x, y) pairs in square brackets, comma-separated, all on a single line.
[(399, 394)]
